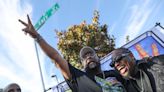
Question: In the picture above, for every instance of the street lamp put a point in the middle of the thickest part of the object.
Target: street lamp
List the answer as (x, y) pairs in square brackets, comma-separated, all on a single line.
[(54, 76)]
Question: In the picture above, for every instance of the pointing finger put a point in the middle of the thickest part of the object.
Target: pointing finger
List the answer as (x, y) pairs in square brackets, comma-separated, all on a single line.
[(23, 22), (29, 21)]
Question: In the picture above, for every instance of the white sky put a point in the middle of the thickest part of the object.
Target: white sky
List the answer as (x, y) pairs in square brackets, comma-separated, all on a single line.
[(18, 59)]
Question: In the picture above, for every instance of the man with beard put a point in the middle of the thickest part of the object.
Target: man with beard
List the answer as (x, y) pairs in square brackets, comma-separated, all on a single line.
[(146, 75), (77, 80), (93, 75)]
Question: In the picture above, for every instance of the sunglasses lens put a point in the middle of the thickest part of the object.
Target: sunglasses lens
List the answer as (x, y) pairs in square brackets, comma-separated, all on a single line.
[(116, 59)]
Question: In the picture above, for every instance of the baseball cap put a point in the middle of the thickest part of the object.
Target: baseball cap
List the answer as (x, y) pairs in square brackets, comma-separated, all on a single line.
[(85, 50), (118, 54)]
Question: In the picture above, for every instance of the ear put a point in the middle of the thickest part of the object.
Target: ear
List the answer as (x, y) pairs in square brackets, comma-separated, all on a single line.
[(131, 55), (97, 58)]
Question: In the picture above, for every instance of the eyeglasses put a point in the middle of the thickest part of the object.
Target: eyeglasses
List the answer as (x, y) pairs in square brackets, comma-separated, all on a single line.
[(118, 58)]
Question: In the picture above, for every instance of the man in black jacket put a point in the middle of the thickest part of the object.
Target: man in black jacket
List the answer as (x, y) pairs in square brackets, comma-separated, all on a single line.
[(145, 76), (78, 81)]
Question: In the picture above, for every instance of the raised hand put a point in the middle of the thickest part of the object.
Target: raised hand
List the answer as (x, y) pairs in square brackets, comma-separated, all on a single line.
[(29, 28), (49, 50)]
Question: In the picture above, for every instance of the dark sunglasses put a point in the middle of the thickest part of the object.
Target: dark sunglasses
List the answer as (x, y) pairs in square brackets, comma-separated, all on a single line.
[(118, 59)]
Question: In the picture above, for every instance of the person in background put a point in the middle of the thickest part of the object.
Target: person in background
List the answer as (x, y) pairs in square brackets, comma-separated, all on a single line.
[(78, 81), (145, 76), (13, 87)]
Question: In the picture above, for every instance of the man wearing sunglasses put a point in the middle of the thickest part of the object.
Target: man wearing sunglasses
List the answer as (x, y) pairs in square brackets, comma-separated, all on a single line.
[(78, 81), (145, 76), (92, 76)]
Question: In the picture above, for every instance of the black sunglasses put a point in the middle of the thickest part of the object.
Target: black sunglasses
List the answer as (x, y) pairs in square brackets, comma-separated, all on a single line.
[(118, 58)]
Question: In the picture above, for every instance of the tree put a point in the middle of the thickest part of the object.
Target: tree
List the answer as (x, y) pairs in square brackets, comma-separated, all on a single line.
[(127, 39), (77, 36)]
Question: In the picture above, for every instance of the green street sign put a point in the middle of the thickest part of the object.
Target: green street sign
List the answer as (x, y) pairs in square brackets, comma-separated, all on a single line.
[(45, 16)]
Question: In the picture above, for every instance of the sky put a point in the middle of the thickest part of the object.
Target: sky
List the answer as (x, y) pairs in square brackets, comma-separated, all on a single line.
[(19, 62)]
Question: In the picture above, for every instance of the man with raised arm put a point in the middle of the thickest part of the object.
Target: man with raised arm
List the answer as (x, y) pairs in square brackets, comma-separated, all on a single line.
[(92, 80)]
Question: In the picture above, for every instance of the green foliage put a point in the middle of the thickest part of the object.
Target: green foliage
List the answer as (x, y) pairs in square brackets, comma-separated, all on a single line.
[(77, 36), (127, 38)]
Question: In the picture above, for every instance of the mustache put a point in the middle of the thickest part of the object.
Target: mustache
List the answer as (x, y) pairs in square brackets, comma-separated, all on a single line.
[(89, 60), (87, 66), (92, 61)]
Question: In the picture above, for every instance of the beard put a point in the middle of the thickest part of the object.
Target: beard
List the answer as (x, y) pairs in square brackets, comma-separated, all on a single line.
[(126, 76), (131, 73), (92, 67)]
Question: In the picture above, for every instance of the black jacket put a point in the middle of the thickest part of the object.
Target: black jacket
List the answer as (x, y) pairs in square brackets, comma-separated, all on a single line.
[(154, 68)]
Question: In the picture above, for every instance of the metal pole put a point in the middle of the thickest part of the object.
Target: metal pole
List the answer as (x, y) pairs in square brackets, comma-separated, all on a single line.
[(41, 75)]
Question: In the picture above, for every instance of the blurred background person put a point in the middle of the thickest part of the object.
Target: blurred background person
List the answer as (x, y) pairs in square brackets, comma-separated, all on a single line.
[(13, 87)]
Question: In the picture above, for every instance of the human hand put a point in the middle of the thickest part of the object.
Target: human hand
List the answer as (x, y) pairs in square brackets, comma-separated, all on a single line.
[(29, 28)]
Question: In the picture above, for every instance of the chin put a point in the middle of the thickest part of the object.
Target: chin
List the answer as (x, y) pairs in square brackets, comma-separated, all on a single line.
[(125, 75), (92, 68)]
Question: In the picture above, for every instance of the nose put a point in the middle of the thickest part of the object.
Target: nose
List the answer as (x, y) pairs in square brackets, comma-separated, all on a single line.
[(89, 55)]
